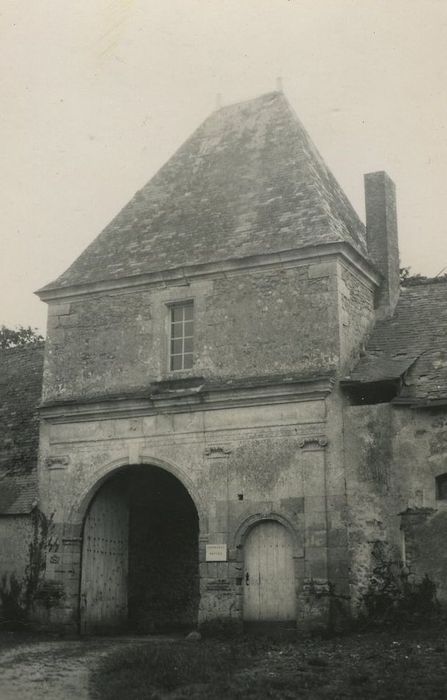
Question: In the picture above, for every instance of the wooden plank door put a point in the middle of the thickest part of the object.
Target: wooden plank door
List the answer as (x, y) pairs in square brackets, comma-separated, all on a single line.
[(269, 576), (103, 603)]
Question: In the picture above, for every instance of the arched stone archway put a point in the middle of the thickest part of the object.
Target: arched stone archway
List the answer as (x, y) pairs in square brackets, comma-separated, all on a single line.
[(244, 526), (98, 477), (139, 565)]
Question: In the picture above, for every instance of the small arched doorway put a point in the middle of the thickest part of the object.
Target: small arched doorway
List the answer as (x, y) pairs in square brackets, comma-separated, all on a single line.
[(140, 555), (269, 574)]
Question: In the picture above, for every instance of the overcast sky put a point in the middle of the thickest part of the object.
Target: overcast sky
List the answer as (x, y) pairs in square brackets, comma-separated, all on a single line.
[(97, 94)]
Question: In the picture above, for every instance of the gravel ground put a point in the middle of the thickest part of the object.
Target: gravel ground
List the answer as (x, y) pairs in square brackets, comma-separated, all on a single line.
[(54, 670), (372, 666)]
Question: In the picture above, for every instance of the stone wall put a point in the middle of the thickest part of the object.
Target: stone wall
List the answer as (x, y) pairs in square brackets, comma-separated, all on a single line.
[(357, 314), (425, 537), (420, 454), (249, 324), (373, 505), (239, 466), (393, 456)]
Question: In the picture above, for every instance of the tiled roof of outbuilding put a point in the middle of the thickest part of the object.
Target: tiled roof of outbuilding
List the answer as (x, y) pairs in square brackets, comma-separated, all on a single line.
[(248, 181), (20, 392), (18, 493), (413, 344)]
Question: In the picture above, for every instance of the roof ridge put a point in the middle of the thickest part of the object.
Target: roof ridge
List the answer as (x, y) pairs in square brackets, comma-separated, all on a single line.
[(423, 283)]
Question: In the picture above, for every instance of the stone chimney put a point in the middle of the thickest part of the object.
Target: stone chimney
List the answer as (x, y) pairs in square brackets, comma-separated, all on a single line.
[(381, 236)]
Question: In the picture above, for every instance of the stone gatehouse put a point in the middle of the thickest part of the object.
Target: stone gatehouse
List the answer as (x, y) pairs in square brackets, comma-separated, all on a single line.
[(237, 400)]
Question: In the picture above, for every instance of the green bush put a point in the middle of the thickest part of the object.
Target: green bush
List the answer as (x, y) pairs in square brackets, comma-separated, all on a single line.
[(393, 595), (12, 608)]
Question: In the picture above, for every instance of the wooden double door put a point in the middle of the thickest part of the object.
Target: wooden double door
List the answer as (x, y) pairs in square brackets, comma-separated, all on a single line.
[(269, 574), (140, 555), (105, 561)]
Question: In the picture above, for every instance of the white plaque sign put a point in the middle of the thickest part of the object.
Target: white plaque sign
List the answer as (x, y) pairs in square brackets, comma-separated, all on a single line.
[(216, 552)]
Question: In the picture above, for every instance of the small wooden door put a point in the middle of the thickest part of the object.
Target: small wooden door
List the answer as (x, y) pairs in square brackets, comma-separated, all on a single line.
[(103, 603), (269, 576)]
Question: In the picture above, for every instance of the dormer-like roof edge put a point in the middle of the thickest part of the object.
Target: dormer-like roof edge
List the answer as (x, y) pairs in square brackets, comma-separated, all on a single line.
[(186, 273)]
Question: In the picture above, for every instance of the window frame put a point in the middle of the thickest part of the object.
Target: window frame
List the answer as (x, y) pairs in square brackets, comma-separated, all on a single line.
[(182, 336)]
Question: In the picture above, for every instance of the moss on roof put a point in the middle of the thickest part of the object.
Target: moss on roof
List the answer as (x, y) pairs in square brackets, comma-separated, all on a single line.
[(411, 344), (248, 181)]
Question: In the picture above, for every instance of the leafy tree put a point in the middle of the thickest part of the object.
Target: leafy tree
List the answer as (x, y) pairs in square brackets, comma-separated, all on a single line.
[(409, 280), (404, 273), (18, 337)]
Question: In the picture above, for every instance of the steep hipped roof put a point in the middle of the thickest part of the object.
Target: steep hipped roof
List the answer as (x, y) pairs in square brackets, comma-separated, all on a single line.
[(248, 181), (20, 392), (412, 344)]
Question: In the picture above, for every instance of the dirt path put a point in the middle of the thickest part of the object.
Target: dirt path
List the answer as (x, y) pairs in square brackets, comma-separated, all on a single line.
[(55, 670)]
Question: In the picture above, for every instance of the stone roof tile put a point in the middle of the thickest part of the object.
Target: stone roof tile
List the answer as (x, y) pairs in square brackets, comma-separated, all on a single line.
[(249, 180), (412, 344), (20, 392), (18, 493)]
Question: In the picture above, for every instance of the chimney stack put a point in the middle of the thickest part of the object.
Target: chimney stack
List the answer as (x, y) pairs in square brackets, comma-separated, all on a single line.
[(381, 236)]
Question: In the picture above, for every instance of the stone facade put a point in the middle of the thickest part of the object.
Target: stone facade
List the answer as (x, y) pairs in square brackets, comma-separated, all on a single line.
[(255, 436), (299, 408)]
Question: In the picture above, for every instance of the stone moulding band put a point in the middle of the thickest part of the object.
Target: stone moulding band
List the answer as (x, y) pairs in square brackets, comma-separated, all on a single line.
[(185, 274), (314, 389)]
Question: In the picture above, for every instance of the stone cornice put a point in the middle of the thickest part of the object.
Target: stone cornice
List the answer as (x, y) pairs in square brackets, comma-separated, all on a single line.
[(188, 401), (185, 275), (417, 402)]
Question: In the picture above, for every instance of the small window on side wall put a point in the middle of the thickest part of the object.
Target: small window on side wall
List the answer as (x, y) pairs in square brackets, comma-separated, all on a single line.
[(441, 487), (181, 345)]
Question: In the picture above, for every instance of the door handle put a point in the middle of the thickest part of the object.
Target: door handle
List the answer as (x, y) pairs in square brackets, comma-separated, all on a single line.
[(247, 579)]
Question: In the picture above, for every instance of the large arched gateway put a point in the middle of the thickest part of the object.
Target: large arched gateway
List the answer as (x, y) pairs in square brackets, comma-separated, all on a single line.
[(140, 554)]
